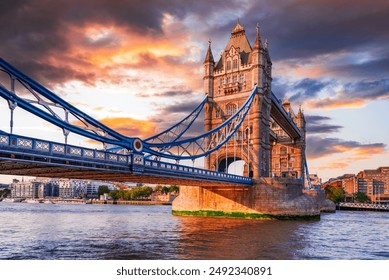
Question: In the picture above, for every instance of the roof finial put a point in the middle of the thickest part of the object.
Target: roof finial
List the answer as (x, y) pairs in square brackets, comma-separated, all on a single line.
[(209, 56), (258, 42)]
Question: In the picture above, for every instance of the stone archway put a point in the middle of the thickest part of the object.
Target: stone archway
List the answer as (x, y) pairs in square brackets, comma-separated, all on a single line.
[(225, 163)]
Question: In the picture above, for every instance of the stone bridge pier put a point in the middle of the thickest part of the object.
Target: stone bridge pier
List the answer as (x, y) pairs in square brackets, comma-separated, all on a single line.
[(268, 198)]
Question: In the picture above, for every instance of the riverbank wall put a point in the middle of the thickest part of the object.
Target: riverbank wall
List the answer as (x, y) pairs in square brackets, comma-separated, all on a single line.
[(131, 202)]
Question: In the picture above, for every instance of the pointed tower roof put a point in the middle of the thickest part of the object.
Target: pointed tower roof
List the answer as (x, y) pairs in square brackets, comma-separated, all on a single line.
[(209, 56), (238, 40), (300, 113), (238, 28), (258, 42)]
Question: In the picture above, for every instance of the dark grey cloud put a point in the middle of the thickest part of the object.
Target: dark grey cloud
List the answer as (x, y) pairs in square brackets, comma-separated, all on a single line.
[(170, 93), (317, 124), (183, 107), (298, 29), (368, 89), (377, 67), (33, 31), (320, 147)]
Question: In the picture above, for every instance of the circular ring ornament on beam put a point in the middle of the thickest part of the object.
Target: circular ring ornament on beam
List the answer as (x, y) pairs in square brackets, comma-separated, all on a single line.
[(137, 145)]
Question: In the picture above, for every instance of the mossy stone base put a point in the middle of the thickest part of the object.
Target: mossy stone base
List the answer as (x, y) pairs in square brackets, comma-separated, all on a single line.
[(258, 216)]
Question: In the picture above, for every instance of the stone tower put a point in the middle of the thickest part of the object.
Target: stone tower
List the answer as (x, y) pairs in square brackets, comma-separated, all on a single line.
[(288, 155), (228, 83)]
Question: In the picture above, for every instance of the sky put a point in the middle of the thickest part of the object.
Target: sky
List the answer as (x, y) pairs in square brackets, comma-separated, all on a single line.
[(137, 65)]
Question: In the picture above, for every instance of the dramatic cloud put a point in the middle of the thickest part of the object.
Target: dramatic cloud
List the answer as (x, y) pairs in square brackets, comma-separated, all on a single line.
[(131, 127), (326, 147), (315, 124), (300, 29), (353, 95)]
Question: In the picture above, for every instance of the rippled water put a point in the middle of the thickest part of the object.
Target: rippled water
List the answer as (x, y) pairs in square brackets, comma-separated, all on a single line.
[(50, 231)]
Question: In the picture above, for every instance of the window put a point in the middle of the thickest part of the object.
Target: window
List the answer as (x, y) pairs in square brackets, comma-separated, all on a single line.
[(235, 63), (230, 109), (228, 65), (283, 151), (234, 79), (242, 78)]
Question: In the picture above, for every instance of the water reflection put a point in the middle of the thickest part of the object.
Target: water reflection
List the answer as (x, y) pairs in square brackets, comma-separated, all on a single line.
[(221, 238), (45, 231)]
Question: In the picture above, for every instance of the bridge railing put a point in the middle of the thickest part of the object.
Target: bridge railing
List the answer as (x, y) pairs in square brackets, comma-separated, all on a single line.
[(135, 163), (197, 172), (58, 149)]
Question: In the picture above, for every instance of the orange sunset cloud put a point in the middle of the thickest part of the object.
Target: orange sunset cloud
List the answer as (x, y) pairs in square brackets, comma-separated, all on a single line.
[(131, 127)]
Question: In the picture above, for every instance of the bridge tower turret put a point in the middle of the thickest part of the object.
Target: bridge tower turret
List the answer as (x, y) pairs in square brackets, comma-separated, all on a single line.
[(301, 124), (209, 65)]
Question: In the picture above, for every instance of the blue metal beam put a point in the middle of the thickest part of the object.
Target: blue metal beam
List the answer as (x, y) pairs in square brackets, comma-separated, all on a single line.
[(118, 139)]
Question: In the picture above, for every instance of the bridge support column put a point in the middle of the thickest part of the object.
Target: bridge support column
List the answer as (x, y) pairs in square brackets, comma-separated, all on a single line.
[(267, 199)]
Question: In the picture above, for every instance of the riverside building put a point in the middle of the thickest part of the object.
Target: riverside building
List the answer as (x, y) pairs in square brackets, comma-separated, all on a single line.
[(372, 182)]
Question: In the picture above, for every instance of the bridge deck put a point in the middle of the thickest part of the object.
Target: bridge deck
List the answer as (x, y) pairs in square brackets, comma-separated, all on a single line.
[(25, 156)]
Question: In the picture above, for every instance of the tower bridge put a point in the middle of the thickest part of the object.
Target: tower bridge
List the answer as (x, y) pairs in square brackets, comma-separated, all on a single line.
[(244, 120)]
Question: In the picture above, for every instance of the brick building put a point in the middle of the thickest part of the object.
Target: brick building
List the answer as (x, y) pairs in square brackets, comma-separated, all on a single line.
[(373, 182)]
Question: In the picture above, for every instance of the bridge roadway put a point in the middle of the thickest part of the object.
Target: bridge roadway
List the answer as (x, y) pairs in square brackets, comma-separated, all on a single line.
[(25, 156)]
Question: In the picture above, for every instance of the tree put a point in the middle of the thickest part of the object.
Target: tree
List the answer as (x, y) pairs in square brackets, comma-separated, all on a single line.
[(361, 197), (336, 194), (114, 194), (5, 192), (165, 190), (102, 190), (174, 188)]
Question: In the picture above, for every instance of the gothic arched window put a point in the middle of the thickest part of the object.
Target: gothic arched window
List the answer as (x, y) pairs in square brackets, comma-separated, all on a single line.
[(235, 63), (231, 109), (228, 65)]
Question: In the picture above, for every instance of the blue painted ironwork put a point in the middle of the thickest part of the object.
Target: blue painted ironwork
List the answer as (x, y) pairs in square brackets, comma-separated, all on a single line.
[(281, 109), (202, 145), (67, 156), (176, 131), (169, 144), (91, 128)]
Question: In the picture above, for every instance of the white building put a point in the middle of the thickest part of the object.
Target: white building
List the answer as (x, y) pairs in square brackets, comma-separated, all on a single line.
[(70, 188), (93, 187), (28, 189)]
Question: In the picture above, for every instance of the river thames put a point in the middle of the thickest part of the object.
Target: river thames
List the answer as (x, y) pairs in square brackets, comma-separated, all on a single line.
[(118, 232)]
